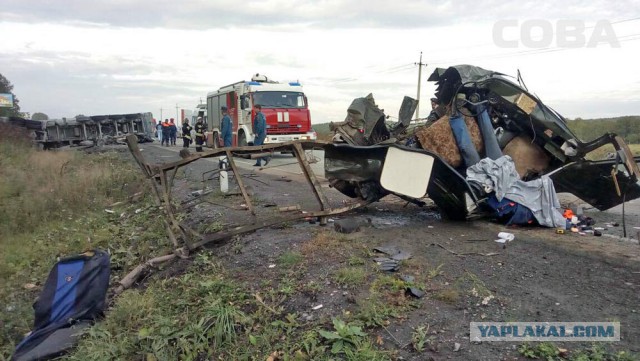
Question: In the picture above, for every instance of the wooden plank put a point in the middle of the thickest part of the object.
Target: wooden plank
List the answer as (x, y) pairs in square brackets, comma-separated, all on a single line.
[(238, 177), (311, 177), (132, 143)]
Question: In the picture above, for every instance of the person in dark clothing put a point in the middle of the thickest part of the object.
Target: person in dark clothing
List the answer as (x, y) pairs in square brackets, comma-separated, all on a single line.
[(173, 131), (186, 133), (260, 132), (159, 130), (199, 129), (166, 132), (225, 128), (434, 115)]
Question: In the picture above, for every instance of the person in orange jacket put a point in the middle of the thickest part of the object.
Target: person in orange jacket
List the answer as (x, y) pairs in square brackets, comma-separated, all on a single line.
[(166, 132)]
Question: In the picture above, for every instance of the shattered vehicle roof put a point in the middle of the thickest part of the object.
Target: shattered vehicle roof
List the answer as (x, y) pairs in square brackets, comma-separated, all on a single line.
[(534, 135)]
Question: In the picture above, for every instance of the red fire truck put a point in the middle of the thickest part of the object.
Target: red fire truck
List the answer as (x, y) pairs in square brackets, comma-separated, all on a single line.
[(284, 105)]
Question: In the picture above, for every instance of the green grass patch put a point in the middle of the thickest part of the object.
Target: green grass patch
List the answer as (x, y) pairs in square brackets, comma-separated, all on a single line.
[(350, 276), (548, 351), (290, 259), (449, 296)]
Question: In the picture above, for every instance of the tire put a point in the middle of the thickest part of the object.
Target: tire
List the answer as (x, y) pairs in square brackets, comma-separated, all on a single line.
[(242, 140), (216, 141)]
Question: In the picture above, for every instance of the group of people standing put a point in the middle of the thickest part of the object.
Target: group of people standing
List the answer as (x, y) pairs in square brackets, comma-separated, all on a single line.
[(167, 132)]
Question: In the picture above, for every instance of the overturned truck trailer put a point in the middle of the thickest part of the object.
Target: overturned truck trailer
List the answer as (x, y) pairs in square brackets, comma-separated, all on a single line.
[(98, 129), (480, 115)]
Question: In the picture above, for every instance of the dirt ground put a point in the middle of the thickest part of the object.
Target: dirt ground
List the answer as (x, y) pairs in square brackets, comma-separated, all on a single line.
[(466, 276)]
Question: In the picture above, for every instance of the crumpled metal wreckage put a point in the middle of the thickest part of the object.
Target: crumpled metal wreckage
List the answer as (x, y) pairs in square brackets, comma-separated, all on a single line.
[(481, 115)]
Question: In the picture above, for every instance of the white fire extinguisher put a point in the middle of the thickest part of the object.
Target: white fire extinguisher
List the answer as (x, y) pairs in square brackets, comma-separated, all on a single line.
[(224, 175)]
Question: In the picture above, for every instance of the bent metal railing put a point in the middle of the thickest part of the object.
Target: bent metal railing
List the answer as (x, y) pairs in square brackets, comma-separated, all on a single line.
[(185, 239)]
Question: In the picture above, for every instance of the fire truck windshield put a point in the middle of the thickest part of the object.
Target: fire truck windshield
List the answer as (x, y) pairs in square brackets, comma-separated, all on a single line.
[(279, 99)]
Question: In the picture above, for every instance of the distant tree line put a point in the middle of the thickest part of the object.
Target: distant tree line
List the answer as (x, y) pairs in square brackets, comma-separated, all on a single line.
[(628, 127)]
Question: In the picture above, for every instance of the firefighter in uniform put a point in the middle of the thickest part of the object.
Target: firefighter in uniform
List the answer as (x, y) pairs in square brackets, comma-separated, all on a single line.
[(225, 128), (199, 130), (260, 131), (186, 133)]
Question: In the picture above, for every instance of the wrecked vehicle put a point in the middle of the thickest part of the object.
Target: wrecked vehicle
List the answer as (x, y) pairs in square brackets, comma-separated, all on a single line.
[(95, 129), (482, 115)]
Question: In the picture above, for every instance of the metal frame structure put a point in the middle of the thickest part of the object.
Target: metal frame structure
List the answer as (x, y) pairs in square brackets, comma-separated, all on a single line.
[(185, 239)]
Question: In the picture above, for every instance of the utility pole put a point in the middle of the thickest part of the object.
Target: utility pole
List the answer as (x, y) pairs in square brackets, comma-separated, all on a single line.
[(160, 115), (420, 65), (177, 116)]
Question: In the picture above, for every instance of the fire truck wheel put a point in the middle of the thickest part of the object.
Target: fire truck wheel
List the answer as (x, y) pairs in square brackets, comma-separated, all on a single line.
[(216, 141), (242, 140)]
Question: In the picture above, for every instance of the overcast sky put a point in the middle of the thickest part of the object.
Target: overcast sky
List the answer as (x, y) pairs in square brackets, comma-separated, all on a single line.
[(69, 57)]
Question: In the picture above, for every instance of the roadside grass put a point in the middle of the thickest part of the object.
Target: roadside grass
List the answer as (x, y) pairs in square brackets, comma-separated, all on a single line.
[(550, 352), (328, 244), (601, 153), (186, 317), (39, 187), (350, 276), (206, 313), (53, 205), (290, 259)]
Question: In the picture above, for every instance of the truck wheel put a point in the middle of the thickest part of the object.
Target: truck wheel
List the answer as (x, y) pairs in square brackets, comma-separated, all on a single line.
[(216, 141), (242, 140)]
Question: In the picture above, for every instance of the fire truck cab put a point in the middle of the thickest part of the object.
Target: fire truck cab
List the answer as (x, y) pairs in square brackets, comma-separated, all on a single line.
[(284, 106)]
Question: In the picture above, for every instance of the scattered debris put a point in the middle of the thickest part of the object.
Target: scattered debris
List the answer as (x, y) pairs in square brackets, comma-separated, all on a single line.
[(110, 211), (284, 179), (317, 307), (387, 264), (485, 301), (415, 292), (347, 225), (456, 347), (504, 237), (393, 252), (407, 278), (184, 153), (289, 208)]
